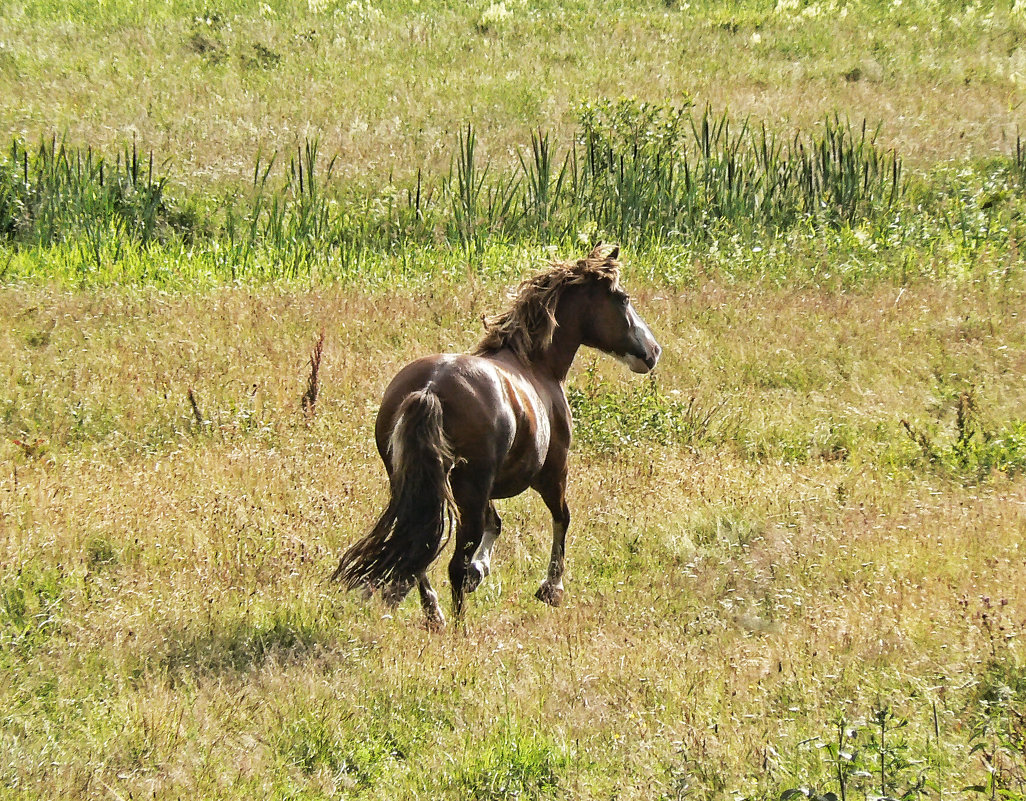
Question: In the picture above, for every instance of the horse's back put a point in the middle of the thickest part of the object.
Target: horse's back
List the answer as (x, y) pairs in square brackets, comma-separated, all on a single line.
[(494, 418)]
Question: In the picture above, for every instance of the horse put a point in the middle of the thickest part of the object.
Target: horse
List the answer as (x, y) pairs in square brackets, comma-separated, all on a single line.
[(458, 431)]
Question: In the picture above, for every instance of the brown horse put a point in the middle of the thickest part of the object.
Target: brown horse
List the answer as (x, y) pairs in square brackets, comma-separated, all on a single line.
[(457, 431)]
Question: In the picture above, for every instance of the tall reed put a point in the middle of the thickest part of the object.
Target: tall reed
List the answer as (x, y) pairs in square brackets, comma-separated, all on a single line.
[(636, 172), (56, 192)]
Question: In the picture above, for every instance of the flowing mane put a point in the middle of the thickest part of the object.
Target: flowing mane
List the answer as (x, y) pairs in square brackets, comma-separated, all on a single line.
[(528, 326)]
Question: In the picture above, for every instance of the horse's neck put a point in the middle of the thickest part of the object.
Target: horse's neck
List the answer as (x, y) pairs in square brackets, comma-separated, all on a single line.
[(555, 360)]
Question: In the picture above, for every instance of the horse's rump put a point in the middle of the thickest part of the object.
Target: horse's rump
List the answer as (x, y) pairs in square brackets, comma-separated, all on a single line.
[(421, 511)]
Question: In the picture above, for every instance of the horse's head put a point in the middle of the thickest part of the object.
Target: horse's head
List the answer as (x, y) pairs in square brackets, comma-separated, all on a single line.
[(582, 298), (610, 323)]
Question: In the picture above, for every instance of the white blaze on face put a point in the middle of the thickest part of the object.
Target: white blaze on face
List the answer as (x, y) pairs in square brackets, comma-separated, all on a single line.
[(641, 336)]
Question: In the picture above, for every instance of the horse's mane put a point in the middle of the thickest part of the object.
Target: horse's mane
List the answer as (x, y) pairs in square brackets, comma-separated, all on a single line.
[(528, 326)]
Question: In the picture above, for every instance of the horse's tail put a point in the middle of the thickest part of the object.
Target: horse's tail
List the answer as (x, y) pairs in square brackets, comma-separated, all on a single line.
[(421, 511)]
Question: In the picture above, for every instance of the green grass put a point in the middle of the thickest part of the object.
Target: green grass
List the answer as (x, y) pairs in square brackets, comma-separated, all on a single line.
[(633, 172), (795, 564), (692, 191), (735, 589)]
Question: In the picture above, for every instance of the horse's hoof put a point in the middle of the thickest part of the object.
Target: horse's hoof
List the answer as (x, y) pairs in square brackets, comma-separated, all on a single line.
[(553, 596), (476, 573), (435, 624)]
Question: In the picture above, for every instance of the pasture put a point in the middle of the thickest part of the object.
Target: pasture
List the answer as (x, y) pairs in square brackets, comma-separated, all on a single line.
[(796, 563)]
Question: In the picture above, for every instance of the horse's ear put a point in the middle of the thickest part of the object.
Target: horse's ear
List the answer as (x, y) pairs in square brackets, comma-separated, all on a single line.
[(604, 251)]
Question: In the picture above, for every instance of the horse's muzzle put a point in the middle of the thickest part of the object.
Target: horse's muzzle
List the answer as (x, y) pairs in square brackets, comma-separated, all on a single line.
[(653, 357), (643, 358), (640, 349), (644, 352)]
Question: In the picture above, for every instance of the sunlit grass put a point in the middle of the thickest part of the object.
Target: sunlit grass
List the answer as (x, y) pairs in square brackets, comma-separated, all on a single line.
[(734, 590), (796, 557)]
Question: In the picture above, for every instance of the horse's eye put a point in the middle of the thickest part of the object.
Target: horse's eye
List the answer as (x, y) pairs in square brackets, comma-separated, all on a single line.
[(623, 299)]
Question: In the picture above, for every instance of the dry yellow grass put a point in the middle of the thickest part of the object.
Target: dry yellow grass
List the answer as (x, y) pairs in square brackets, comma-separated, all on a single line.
[(166, 629), (726, 602)]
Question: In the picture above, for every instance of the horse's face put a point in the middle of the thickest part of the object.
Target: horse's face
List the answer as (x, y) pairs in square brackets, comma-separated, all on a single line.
[(613, 326)]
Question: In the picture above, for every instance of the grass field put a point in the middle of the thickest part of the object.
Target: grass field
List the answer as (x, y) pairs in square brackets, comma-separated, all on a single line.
[(388, 85), (735, 590), (797, 566)]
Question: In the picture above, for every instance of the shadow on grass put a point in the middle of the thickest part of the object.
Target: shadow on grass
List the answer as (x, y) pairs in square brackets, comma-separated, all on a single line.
[(242, 645)]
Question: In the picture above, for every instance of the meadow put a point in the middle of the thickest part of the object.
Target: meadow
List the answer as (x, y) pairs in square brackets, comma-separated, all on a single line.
[(796, 565)]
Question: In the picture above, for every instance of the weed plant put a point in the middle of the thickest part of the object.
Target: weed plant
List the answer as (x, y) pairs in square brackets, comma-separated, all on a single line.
[(609, 419), (60, 194), (976, 450)]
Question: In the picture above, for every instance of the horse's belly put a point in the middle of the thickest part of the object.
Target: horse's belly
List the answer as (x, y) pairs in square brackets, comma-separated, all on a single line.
[(514, 479)]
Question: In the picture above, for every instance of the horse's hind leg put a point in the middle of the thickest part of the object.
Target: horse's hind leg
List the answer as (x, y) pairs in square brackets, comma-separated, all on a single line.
[(471, 493), (393, 592), (481, 564), (429, 602)]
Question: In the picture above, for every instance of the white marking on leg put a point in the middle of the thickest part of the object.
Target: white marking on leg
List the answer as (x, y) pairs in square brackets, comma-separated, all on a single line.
[(481, 564), (429, 602)]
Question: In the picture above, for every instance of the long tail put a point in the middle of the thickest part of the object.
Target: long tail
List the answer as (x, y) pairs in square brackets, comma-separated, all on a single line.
[(421, 512)]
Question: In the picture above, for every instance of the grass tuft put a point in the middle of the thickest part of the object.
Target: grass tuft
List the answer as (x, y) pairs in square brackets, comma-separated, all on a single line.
[(608, 419), (975, 450), (512, 763), (309, 400)]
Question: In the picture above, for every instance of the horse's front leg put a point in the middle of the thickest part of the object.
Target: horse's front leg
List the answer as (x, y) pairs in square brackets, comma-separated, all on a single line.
[(554, 496)]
